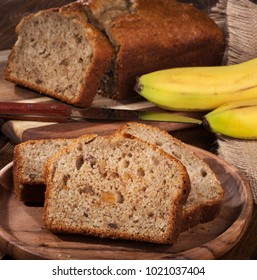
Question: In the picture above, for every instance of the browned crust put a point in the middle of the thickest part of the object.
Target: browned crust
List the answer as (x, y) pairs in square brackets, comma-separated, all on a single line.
[(172, 232), (17, 165), (142, 47), (101, 59), (103, 54), (160, 35), (29, 190), (201, 213), (20, 184)]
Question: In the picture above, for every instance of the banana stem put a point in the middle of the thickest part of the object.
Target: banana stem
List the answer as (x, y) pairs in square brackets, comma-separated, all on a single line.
[(206, 124), (138, 86)]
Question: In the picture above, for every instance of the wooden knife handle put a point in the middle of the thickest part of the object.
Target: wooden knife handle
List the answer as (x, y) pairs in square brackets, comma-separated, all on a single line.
[(37, 109)]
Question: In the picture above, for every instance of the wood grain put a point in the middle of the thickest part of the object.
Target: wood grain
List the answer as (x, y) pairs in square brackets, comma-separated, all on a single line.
[(22, 131), (10, 13), (76, 129), (23, 236)]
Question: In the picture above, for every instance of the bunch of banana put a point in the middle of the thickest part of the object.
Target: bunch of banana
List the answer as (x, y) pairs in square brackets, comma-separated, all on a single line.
[(236, 119), (199, 88)]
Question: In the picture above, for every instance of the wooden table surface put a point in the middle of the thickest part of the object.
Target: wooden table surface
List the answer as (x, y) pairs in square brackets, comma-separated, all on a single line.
[(246, 249), (10, 13)]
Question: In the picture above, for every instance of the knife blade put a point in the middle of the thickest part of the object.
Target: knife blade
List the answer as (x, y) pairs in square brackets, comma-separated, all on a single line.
[(60, 112)]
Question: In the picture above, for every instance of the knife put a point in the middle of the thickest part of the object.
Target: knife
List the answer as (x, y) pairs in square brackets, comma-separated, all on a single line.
[(60, 112)]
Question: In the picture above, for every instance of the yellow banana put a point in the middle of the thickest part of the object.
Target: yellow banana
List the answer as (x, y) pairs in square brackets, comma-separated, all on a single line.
[(236, 119), (199, 88)]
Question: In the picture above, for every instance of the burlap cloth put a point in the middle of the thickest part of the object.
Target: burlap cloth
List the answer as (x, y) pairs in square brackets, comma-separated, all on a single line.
[(238, 18)]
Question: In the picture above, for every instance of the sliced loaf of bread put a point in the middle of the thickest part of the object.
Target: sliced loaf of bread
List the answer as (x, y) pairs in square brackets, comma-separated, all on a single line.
[(204, 201), (60, 54), (150, 35), (116, 187), (104, 45), (28, 166)]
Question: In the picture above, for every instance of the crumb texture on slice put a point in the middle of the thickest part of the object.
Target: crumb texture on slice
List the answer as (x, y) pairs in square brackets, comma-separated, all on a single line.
[(206, 193), (60, 54), (29, 161), (116, 187), (33, 154), (91, 46)]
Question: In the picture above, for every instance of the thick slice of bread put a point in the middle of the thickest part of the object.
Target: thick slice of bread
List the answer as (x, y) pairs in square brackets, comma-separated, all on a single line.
[(117, 187), (206, 193), (28, 166), (60, 54)]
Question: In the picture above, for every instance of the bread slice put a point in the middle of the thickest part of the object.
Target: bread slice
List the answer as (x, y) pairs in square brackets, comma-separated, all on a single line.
[(60, 54), (204, 201), (115, 187), (28, 166)]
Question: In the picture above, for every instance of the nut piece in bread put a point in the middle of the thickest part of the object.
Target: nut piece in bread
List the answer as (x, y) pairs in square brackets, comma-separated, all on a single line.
[(116, 187), (60, 54), (102, 46), (204, 201)]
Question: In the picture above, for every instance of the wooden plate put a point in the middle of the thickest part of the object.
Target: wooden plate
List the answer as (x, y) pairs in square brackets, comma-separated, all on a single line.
[(23, 236)]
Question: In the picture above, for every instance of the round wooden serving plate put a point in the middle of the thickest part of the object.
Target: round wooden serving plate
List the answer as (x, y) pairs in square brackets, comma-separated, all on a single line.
[(23, 236)]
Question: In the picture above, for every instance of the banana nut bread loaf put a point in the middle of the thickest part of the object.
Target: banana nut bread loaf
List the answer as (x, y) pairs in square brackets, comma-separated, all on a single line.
[(117, 187), (204, 201), (60, 54), (29, 162), (103, 45), (149, 35)]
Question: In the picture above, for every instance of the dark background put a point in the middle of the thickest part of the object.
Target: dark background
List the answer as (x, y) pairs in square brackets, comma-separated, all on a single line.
[(12, 11)]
